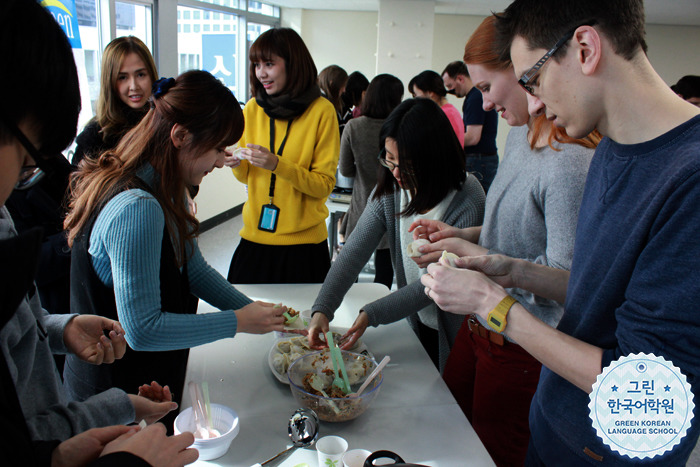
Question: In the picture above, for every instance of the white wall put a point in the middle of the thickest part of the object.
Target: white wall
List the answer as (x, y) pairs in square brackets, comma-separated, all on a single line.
[(349, 39), (674, 51)]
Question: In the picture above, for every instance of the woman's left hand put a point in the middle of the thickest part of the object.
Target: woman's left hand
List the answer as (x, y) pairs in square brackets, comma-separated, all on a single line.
[(85, 337), (155, 392), (355, 332), (261, 157)]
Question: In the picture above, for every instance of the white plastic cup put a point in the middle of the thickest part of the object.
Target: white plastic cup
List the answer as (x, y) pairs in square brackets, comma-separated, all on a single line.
[(355, 457), (224, 419), (330, 451)]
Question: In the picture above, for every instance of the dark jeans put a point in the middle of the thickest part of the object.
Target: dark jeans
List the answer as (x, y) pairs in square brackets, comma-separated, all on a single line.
[(484, 167)]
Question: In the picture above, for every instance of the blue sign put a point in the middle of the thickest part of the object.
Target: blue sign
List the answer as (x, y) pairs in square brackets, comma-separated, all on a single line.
[(219, 58), (66, 16)]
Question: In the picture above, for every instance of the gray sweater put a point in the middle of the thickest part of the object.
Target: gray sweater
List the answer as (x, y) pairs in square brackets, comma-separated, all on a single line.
[(359, 147), (532, 209), (379, 218), (49, 415)]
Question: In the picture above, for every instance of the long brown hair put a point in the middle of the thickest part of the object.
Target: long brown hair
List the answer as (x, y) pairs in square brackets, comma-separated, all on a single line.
[(482, 48), (111, 113), (332, 80), (298, 65), (211, 115)]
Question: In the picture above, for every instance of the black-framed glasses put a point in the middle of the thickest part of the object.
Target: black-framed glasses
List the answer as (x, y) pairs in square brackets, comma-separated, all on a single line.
[(386, 163), (527, 77), (30, 175)]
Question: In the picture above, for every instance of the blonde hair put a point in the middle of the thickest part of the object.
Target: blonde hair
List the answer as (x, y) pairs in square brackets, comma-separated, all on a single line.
[(111, 111)]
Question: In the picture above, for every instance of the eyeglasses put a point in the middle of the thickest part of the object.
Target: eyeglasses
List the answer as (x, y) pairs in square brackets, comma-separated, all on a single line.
[(30, 175), (527, 77), (386, 163)]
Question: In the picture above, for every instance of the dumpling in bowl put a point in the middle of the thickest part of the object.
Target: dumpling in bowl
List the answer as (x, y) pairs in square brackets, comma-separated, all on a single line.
[(280, 362), (357, 370), (300, 341), (284, 346)]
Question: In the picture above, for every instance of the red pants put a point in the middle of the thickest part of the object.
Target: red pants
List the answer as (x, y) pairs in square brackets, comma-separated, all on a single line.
[(494, 386)]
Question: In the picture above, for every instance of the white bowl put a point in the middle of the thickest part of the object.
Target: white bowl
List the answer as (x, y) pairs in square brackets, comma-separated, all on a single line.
[(224, 419)]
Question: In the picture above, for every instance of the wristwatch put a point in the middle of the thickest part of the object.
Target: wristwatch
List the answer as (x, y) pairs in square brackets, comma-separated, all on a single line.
[(497, 317)]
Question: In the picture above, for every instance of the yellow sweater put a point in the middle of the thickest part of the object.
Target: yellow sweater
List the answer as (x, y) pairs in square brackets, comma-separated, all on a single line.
[(305, 174)]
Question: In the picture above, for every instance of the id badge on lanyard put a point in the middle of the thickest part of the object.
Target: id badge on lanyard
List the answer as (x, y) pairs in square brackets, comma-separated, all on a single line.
[(269, 214), (268, 217)]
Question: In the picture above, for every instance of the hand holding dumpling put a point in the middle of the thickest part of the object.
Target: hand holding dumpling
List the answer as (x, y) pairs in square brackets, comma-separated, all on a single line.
[(356, 331), (260, 156), (319, 325), (260, 318)]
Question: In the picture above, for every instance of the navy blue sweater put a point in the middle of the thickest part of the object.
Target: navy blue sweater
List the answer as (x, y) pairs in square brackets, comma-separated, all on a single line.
[(634, 285)]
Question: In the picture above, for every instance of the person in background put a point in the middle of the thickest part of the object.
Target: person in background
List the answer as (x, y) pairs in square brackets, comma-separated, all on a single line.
[(128, 73), (422, 177), (290, 144), (428, 84), (332, 81), (352, 97), (531, 212), (358, 159), (37, 121), (688, 87), (134, 249), (481, 126), (633, 275)]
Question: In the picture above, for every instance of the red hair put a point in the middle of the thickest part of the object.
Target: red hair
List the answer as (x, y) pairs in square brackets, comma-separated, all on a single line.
[(483, 48)]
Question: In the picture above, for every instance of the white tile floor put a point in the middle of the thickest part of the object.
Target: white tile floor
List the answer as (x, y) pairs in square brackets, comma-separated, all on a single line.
[(218, 244)]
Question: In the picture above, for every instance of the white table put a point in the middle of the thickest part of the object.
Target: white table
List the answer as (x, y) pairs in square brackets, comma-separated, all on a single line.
[(414, 414)]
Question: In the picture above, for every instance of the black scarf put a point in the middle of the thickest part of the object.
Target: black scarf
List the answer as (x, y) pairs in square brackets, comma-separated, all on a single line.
[(284, 107)]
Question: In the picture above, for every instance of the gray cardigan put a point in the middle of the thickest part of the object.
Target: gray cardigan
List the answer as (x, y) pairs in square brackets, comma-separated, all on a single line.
[(379, 218)]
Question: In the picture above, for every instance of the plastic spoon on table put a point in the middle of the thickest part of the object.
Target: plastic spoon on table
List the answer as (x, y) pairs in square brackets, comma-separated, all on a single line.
[(371, 376), (302, 429)]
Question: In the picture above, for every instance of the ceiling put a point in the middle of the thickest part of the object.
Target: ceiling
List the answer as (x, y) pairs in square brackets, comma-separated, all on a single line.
[(673, 12)]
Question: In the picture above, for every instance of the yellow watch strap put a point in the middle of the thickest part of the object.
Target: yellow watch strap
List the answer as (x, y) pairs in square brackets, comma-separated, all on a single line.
[(497, 317)]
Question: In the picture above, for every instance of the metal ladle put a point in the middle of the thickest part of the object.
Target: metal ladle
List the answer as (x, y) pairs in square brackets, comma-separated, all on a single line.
[(303, 431)]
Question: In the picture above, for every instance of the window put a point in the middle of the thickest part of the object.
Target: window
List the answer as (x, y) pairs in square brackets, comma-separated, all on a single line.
[(264, 9), (135, 20), (216, 51), (254, 30), (228, 3)]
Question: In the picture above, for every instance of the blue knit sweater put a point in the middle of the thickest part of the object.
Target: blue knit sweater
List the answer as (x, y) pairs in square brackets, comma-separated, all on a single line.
[(125, 248), (633, 285)]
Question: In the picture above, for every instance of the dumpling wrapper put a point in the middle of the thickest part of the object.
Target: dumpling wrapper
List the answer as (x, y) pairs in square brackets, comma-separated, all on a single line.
[(449, 258), (412, 248), (280, 362)]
